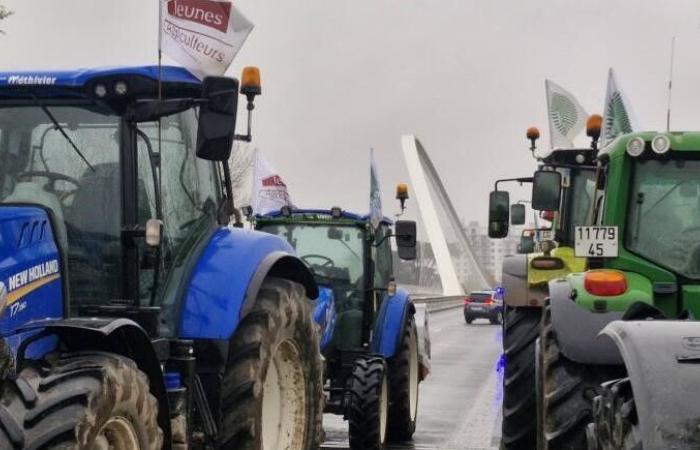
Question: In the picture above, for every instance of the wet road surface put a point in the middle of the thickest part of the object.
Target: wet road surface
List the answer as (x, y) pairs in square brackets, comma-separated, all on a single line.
[(460, 402)]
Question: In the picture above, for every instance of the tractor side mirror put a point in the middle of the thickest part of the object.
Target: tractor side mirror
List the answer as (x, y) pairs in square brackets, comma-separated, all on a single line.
[(526, 245), (517, 214), (499, 202), (406, 238), (217, 118), (546, 190)]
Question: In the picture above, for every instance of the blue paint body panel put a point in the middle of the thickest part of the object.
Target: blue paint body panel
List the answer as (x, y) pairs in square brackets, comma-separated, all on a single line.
[(29, 268), (390, 322), (218, 284), (80, 77), (325, 314)]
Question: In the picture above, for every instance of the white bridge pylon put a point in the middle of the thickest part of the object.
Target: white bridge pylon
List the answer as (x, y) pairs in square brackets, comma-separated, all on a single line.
[(420, 167)]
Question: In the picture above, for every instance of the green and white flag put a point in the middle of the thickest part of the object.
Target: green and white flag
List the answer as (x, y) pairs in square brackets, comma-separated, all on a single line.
[(567, 118), (375, 194), (617, 115)]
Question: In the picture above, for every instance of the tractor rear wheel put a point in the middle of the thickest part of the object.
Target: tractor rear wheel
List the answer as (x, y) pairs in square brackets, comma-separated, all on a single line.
[(616, 424), (567, 390), (403, 386), (520, 333), (272, 392), (368, 412), (81, 401)]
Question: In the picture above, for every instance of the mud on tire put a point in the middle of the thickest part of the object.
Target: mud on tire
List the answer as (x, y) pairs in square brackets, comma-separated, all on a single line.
[(367, 387), (280, 319), (568, 389), (520, 332), (72, 401), (403, 370)]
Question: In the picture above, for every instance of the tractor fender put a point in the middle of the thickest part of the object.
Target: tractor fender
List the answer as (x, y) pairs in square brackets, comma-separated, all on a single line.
[(121, 336), (226, 279), (577, 328), (661, 358), (391, 320)]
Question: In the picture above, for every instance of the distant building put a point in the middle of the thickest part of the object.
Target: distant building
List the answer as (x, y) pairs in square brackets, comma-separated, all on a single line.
[(488, 252)]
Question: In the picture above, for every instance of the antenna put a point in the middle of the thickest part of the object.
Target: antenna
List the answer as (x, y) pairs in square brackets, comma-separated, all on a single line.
[(670, 84)]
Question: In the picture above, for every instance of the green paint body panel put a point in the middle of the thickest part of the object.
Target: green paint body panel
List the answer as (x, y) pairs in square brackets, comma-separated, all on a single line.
[(641, 273), (639, 289)]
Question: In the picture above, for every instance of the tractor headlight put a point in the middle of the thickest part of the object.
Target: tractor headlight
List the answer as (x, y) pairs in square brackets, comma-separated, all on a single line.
[(661, 144), (120, 88), (100, 90), (635, 147)]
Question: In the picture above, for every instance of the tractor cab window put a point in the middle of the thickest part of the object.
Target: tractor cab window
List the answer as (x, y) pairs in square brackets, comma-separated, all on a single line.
[(382, 258), (80, 188), (188, 186), (333, 253), (664, 214), (583, 192)]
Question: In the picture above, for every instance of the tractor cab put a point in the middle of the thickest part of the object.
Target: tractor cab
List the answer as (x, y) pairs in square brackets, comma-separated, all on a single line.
[(347, 256), (128, 164)]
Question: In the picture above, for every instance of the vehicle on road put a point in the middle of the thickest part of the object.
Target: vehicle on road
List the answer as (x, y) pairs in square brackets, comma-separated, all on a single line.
[(617, 341), (545, 255), (483, 305), (373, 368), (132, 315)]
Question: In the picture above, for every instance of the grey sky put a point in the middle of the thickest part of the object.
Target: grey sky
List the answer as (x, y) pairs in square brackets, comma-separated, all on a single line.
[(465, 76)]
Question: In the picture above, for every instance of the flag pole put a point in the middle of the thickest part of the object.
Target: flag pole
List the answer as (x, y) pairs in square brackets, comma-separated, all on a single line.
[(670, 84), (160, 97)]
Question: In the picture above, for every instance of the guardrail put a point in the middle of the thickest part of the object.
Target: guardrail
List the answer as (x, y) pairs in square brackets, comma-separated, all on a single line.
[(441, 303)]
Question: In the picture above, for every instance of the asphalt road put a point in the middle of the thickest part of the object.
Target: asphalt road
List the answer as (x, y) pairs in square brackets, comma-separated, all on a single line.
[(460, 402)]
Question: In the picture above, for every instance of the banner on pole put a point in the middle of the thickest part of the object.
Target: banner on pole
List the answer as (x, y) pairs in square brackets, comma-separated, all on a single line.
[(617, 115), (375, 194), (269, 190), (202, 35), (567, 118)]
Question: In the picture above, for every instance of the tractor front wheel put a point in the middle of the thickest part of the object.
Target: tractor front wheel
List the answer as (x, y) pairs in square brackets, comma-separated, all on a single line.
[(272, 388), (80, 401), (403, 386), (368, 412)]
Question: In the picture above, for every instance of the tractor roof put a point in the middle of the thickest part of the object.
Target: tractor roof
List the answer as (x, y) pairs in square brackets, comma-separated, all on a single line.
[(142, 81), (570, 155), (319, 214), (681, 141)]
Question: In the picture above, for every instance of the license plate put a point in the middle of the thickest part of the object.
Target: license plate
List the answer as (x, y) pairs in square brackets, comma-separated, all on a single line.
[(477, 308), (596, 242)]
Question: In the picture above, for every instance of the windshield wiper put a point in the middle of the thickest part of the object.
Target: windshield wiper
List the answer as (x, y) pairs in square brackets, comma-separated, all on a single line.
[(62, 131)]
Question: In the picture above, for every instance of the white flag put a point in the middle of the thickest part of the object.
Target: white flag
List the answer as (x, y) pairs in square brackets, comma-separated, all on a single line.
[(269, 191), (567, 118), (617, 115), (202, 35), (375, 194)]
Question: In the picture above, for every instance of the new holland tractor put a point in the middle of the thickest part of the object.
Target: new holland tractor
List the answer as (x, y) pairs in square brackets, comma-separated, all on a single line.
[(525, 276), (628, 321), (372, 352), (132, 316)]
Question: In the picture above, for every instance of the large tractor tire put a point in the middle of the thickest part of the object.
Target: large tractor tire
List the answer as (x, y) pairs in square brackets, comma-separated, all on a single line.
[(520, 333), (403, 386), (79, 401), (369, 404), (272, 391), (567, 390), (616, 425)]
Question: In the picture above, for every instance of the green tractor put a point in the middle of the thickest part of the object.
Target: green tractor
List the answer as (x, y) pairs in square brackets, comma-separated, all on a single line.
[(611, 373), (543, 255)]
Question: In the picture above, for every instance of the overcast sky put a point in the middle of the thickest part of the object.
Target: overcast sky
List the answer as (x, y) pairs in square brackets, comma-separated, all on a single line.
[(465, 76)]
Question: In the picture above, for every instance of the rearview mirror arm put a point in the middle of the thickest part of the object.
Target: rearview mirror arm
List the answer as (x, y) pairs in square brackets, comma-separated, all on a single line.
[(249, 136), (519, 180)]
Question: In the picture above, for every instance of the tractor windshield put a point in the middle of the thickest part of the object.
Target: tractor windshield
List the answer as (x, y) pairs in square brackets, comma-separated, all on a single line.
[(582, 192), (333, 253), (68, 159), (664, 214)]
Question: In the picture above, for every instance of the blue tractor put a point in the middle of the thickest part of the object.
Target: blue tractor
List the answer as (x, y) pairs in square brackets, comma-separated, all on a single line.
[(370, 340), (132, 315)]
